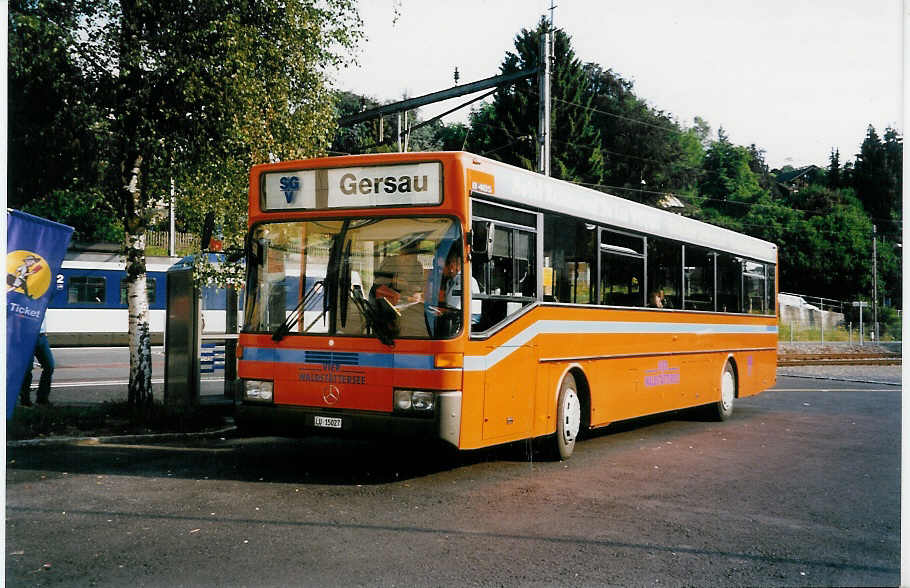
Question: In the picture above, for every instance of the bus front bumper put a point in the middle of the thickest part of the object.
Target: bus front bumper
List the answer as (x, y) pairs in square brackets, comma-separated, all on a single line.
[(299, 421)]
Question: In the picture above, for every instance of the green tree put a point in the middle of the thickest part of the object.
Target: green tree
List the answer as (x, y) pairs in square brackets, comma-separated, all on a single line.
[(646, 152), (365, 137), (773, 221), (841, 262), (834, 169), (728, 185), (195, 91), (759, 167), (53, 118), (507, 131), (894, 154), (876, 177), (452, 137)]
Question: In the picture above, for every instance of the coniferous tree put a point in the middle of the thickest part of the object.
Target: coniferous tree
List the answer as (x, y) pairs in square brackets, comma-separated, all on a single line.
[(834, 171), (507, 131), (876, 179), (646, 152)]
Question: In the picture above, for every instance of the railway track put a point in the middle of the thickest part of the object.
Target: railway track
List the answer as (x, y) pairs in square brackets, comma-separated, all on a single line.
[(791, 359)]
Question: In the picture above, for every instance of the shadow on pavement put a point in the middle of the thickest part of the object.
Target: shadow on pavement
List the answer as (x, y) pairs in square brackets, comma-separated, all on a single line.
[(316, 460)]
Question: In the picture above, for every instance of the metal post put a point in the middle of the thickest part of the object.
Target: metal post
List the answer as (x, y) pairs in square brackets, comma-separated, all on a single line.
[(230, 344), (172, 233), (821, 315), (791, 331), (543, 123), (407, 131)]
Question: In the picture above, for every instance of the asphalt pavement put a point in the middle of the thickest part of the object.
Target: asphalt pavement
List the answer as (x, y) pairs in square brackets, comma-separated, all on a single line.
[(91, 375), (800, 488)]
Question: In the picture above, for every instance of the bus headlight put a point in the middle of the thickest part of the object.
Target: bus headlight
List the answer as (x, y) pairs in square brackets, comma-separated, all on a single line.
[(415, 401), (257, 390)]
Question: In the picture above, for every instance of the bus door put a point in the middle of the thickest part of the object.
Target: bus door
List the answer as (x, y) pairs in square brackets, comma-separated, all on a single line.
[(509, 389), (506, 273)]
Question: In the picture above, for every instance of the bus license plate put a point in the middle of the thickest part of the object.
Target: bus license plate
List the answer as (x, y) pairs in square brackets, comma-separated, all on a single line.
[(329, 422)]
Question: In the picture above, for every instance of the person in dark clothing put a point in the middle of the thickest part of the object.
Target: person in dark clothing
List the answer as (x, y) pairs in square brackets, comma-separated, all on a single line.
[(46, 360)]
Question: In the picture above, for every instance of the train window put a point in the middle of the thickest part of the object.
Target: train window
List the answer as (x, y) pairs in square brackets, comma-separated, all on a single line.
[(86, 290), (149, 287)]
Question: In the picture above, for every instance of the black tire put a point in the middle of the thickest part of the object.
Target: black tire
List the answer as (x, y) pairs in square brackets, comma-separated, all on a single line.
[(723, 408), (568, 418)]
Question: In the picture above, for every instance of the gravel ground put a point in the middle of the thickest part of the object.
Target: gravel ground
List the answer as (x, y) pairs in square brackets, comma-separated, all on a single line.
[(784, 348), (882, 374)]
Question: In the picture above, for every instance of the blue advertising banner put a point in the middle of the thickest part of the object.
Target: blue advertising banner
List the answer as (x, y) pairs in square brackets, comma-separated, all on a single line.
[(35, 248)]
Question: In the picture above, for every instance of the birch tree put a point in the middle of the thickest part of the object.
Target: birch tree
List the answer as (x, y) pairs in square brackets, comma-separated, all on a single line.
[(195, 92)]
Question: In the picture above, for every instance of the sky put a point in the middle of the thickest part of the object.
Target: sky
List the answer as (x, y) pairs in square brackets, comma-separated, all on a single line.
[(796, 77)]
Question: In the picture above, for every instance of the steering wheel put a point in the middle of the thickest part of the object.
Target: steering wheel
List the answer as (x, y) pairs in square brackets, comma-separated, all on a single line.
[(443, 314)]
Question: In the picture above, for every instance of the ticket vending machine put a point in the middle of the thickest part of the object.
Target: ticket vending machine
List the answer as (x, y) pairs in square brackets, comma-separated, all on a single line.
[(192, 347), (182, 338)]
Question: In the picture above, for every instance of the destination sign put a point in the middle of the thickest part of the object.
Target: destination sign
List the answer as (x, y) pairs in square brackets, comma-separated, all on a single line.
[(417, 184)]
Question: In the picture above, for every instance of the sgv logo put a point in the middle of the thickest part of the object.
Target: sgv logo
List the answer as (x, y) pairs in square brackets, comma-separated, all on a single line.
[(27, 273), (289, 185)]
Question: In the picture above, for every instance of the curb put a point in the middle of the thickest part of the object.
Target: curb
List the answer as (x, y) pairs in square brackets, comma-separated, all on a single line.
[(117, 439)]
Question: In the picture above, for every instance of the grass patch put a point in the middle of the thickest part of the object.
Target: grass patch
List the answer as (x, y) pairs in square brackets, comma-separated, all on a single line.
[(107, 419)]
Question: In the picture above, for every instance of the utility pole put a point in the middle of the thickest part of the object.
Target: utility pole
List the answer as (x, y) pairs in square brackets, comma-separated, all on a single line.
[(543, 124), (875, 282)]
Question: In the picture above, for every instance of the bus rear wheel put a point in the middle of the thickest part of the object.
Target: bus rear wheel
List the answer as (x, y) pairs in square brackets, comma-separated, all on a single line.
[(568, 414), (723, 408)]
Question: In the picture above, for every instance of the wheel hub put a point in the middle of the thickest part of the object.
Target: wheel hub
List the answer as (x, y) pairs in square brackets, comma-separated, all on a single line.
[(572, 415)]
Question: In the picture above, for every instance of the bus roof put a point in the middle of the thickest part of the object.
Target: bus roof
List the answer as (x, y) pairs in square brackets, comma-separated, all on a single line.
[(530, 189), (527, 188)]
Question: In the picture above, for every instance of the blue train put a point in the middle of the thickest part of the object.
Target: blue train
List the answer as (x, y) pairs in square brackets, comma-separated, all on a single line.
[(89, 306)]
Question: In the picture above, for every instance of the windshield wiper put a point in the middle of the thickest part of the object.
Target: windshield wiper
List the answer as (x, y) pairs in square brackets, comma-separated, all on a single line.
[(370, 315), (329, 302), (285, 327)]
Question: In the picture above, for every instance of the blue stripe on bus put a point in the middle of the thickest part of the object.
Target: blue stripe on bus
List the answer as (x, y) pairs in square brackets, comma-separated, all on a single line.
[(405, 361), (425, 362)]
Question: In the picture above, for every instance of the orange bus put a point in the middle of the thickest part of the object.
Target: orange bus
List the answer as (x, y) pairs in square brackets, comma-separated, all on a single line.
[(580, 308)]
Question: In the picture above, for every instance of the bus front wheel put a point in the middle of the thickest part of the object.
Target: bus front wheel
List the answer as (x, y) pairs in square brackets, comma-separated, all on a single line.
[(568, 414), (723, 408)]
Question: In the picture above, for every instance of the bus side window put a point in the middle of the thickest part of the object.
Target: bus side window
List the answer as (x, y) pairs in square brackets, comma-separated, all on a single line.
[(506, 276), (665, 270), (569, 248), (501, 272)]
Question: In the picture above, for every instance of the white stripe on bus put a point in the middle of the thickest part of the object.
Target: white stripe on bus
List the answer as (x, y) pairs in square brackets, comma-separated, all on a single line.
[(557, 327)]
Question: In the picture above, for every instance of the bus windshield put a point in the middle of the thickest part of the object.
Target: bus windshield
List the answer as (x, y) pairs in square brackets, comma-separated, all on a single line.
[(382, 277)]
